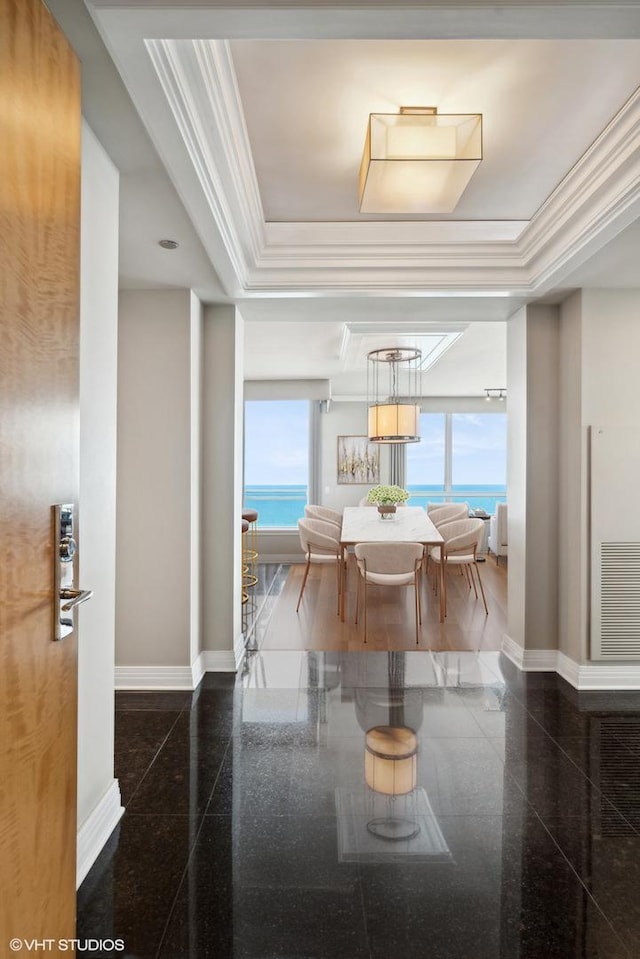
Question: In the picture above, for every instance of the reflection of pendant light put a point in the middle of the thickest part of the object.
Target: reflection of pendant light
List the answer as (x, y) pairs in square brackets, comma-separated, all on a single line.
[(390, 764), (390, 768), (392, 390)]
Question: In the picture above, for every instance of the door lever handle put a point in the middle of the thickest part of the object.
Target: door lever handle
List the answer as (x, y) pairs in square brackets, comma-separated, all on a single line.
[(75, 597)]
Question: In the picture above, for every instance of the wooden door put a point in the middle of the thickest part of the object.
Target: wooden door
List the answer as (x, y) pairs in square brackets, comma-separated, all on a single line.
[(39, 312)]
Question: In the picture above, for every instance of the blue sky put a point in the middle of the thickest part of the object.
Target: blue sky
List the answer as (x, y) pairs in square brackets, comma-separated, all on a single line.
[(276, 443), (277, 451), (479, 450)]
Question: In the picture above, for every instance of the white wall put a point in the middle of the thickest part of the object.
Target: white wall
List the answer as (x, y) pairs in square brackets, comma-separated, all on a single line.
[(517, 473), (98, 793), (222, 430), (344, 419), (195, 557), (600, 349), (572, 486), (543, 347), (533, 337), (153, 592)]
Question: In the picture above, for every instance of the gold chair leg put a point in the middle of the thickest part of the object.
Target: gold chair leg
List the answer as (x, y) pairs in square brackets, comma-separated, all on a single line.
[(365, 604), (473, 582), (484, 598), (304, 580)]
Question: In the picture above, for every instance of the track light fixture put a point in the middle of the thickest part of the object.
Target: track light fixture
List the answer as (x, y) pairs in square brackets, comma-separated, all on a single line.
[(495, 393)]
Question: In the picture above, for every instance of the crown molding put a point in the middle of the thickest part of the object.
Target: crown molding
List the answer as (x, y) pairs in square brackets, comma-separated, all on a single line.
[(601, 190), (209, 130), (597, 198)]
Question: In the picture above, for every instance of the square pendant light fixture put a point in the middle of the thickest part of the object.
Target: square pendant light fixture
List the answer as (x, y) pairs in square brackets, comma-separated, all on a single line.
[(418, 161)]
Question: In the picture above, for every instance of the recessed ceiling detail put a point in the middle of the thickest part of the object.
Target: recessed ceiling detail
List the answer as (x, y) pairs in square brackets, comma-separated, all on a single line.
[(601, 193), (431, 339)]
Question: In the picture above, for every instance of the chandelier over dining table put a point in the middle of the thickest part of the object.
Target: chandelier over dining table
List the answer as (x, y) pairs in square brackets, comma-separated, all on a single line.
[(393, 389)]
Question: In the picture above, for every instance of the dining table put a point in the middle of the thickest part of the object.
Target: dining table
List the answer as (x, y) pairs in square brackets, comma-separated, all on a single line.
[(409, 524)]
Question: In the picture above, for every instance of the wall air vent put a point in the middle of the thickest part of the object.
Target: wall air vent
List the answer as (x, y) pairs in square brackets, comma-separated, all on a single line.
[(614, 544), (620, 600)]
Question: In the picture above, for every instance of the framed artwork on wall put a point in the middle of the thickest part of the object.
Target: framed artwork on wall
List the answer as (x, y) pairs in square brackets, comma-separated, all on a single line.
[(358, 460)]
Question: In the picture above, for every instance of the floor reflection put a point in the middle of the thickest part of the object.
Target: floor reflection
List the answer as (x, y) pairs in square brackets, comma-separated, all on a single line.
[(373, 804)]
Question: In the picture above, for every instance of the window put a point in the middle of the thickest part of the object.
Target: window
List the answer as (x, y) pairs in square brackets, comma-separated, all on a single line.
[(426, 461), (462, 457), (276, 460)]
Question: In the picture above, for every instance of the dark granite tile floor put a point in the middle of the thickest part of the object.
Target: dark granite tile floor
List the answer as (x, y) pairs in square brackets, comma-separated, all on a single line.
[(250, 831)]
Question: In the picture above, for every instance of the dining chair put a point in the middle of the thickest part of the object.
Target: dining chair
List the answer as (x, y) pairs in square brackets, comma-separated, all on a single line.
[(320, 542), (389, 564), (447, 513), (462, 539), (324, 513)]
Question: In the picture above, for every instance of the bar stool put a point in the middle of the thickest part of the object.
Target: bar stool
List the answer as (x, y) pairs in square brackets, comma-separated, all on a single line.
[(250, 543), (245, 567)]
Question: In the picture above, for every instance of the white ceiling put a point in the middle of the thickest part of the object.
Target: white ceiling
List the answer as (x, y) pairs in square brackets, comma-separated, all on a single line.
[(307, 124), (257, 115)]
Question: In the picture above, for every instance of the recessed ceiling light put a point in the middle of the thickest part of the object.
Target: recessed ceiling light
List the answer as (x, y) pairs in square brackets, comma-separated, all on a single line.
[(168, 244)]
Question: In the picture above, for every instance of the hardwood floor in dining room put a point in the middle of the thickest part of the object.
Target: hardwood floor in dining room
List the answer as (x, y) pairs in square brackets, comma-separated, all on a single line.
[(391, 623)]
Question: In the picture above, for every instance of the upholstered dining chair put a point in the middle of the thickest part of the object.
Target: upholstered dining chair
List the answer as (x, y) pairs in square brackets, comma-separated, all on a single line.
[(389, 564), (324, 513), (462, 539), (320, 542), (447, 513)]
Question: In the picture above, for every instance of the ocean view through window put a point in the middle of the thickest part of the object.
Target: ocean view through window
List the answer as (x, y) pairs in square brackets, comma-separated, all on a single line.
[(461, 458), (276, 470)]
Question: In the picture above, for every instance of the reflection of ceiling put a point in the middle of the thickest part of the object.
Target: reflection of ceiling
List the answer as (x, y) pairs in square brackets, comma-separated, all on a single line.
[(258, 112)]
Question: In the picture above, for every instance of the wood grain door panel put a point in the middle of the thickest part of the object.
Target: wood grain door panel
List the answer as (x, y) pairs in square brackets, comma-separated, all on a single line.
[(39, 303)]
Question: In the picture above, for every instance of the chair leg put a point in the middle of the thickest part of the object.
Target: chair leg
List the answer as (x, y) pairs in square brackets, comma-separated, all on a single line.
[(304, 580), (444, 586), (484, 598), (339, 574), (473, 582), (358, 597), (365, 604), (417, 609)]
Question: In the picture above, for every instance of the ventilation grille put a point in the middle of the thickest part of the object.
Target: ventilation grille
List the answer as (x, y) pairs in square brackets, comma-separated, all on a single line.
[(620, 600)]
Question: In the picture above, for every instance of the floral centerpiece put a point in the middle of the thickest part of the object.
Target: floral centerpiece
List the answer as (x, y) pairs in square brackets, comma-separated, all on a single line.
[(387, 495), (386, 498)]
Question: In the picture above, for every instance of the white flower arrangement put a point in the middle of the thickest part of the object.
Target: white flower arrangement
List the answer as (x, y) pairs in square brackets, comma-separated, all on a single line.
[(387, 495)]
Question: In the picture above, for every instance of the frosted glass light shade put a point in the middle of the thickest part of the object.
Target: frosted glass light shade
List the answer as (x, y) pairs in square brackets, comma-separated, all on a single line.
[(390, 761), (394, 423), (418, 162)]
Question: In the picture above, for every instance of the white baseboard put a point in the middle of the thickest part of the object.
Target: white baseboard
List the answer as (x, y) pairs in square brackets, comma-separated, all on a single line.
[(153, 677), (513, 651), (96, 829), (217, 661), (599, 675), (180, 677), (580, 676)]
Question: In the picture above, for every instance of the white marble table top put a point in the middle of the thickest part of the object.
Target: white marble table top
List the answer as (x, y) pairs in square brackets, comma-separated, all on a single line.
[(410, 524)]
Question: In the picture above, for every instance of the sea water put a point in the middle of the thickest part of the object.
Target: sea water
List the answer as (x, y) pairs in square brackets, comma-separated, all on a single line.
[(283, 506)]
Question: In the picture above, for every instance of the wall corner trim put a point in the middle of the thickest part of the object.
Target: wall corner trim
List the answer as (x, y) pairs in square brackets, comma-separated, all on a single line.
[(607, 676), (513, 651), (96, 829), (215, 661)]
